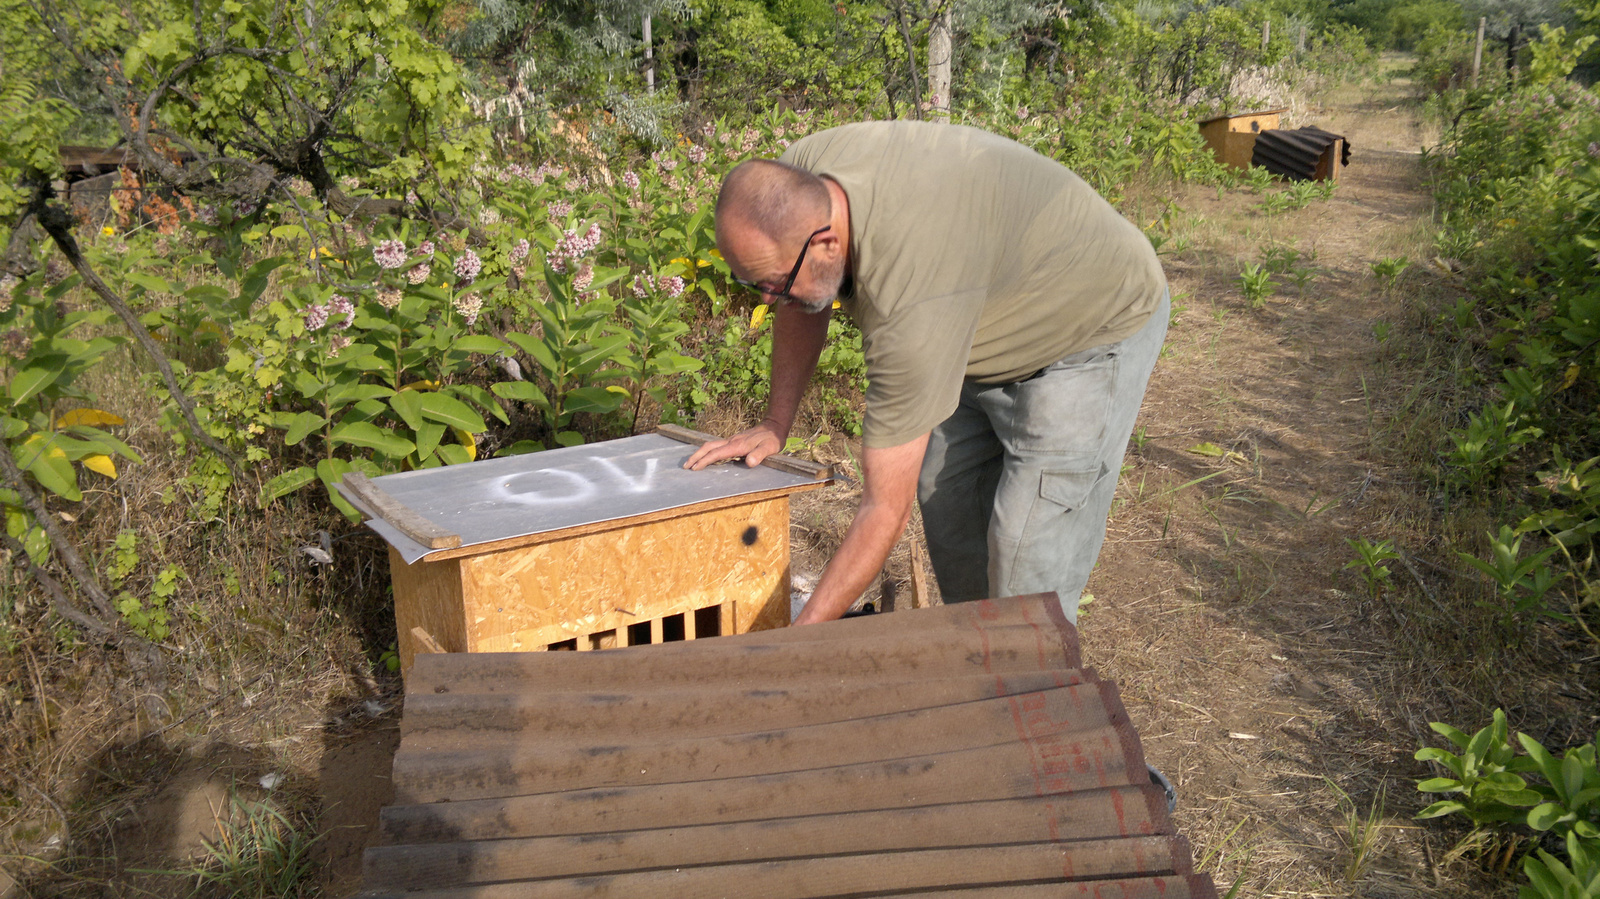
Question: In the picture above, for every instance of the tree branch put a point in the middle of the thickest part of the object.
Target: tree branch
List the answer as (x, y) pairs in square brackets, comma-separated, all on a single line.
[(58, 596), (58, 224)]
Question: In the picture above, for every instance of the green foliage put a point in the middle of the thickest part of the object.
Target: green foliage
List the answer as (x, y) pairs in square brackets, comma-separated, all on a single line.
[(1486, 777), (1256, 284), (1576, 878), (1369, 563), (259, 854), (1490, 787), (1390, 268), (1520, 583)]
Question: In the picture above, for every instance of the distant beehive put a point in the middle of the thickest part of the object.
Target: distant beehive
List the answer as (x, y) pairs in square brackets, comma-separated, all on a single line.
[(1233, 137), (1302, 154)]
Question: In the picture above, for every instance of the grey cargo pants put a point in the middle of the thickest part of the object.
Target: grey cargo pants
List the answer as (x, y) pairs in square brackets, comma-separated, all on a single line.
[(1017, 483)]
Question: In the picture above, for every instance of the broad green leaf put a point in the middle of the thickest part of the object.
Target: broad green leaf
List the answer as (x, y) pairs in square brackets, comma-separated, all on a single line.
[(428, 436), (453, 454), (28, 382), (593, 399), (408, 405), (451, 411), (1440, 808), (48, 463), (483, 398), (287, 483), (370, 436), (301, 425), (536, 349), (521, 392), (480, 343), (1440, 785)]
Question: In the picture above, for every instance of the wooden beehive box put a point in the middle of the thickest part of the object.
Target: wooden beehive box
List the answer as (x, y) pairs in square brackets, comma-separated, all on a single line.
[(1232, 138), (588, 547)]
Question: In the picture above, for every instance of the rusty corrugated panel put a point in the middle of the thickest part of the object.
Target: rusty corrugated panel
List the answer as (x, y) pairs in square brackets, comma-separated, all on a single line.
[(1296, 153), (767, 764)]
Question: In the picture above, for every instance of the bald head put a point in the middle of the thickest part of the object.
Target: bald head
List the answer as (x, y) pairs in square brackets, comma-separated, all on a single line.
[(780, 201)]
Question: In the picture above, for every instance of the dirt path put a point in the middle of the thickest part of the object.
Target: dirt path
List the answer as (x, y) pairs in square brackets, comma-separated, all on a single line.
[(1264, 681)]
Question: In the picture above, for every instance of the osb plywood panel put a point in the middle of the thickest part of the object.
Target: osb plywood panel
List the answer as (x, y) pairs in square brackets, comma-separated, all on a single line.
[(530, 597), (427, 595)]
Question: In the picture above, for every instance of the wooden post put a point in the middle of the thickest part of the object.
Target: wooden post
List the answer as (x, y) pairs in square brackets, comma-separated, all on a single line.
[(1477, 52), (649, 58), (1266, 34)]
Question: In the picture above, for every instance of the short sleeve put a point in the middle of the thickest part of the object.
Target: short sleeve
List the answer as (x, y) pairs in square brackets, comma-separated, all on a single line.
[(916, 360)]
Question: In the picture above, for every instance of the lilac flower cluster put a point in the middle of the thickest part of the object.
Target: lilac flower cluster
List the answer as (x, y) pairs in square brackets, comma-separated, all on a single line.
[(630, 179), (388, 297), (560, 209), (468, 265), (389, 253), (697, 154), (672, 286), (572, 246), (316, 317), (582, 280), (519, 252), (664, 162), (469, 305), (419, 273)]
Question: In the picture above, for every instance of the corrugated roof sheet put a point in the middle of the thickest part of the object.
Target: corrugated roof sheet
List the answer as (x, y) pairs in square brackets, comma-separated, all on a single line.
[(1294, 153), (912, 754)]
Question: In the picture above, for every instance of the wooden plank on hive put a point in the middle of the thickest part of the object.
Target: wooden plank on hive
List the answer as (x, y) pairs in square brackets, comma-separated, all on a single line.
[(866, 874), (1044, 766), (931, 654), (708, 711), (778, 460), (1039, 610), (1096, 814), (1176, 886), (455, 769)]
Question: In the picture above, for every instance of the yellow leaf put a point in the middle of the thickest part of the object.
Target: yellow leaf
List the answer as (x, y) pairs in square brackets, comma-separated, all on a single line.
[(1207, 449), (1570, 379), (716, 254), (420, 385), (466, 439), (757, 316), (100, 463), (94, 418), (108, 231), (837, 304)]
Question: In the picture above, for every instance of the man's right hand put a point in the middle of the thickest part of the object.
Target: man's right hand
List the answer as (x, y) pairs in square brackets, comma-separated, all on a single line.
[(753, 445)]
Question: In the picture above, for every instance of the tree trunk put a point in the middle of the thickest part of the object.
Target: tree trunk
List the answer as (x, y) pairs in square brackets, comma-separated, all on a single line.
[(939, 64)]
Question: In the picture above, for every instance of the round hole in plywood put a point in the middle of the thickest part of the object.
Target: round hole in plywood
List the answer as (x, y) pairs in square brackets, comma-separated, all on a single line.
[(751, 535)]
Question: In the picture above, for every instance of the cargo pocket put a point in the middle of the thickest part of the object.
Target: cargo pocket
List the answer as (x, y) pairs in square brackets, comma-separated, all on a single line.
[(1065, 408), (1069, 489)]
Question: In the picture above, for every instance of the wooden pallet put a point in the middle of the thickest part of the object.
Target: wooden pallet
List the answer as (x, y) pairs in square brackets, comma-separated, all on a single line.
[(960, 751)]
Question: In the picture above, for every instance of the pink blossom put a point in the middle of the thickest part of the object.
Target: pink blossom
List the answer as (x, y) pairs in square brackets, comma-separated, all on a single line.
[(582, 280), (560, 209), (468, 305), (419, 273), (519, 252), (389, 253), (468, 265), (340, 304), (673, 286), (316, 317), (426, 249), (697, 154), (631, 179), (388, 297)]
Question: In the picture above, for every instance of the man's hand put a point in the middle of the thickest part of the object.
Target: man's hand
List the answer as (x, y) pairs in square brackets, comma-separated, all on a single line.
[(754, 445)]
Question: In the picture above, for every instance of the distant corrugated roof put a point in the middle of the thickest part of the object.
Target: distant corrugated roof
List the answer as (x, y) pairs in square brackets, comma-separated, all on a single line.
[(1242, 115), (1294, 153), (962, 746)]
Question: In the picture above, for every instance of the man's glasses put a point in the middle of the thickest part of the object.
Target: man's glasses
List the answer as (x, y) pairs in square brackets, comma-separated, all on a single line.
[(783, 292)]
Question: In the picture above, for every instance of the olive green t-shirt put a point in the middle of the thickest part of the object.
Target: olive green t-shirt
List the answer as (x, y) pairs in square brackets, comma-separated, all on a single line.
[(972, 257)]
